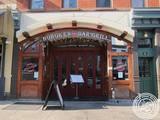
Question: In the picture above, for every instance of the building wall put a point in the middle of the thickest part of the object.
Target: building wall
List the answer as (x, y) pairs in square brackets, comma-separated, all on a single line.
[(24, 5), (9, 48), (157, 44), (8, 30)]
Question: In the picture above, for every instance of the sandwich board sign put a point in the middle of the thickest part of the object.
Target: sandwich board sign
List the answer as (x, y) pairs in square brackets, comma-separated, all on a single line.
[(55, 86)]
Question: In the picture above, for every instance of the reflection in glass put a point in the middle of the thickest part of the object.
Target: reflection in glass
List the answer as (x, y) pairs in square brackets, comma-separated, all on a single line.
[(29, 68), (56, 68), (90, 67), (72, 65), (118, 45), (80, 65), (69, 3), (72, 68), (144, 67), (98, 71), (145, 43), (64, 66), (120, 68)]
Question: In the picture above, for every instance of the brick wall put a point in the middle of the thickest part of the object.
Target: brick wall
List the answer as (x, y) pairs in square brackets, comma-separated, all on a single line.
[(53, 4), (121, 3), (57, 4), (152, 3), (86, 3)]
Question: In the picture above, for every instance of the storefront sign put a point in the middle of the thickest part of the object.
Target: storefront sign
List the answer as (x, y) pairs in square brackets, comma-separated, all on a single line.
[(120, 66), (80, 33)]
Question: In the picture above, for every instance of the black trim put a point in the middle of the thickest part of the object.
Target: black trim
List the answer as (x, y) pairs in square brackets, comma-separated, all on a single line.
[(2, 78)]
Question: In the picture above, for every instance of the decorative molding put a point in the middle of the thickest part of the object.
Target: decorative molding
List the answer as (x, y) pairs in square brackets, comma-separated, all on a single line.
[(49, 26), (146, 18), (74, 23)]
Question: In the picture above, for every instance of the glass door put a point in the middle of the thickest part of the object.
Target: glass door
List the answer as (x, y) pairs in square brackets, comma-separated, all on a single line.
[(146, 75)]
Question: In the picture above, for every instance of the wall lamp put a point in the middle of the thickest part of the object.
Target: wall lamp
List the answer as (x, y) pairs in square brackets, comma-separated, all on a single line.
[(145, 35)]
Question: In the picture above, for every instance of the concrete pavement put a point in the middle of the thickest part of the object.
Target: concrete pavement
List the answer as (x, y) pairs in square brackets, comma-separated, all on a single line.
[(74, 110)]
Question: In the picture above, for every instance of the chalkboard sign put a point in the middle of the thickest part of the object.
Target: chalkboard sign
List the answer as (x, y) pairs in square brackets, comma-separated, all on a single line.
[(54, 85), (76, 79)]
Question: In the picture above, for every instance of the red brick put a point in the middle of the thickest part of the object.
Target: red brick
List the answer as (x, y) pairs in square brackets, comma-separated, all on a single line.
[(86, 3), (53, 4), (121, 3), (153, 3)]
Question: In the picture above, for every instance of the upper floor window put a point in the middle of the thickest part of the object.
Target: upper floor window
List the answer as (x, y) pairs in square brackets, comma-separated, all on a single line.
[(137, 3), (37, 4), (103, 3), (69, 3), (145, 43)]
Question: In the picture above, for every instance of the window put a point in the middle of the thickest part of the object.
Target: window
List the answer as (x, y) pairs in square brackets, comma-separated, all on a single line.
[(137, 3), (1, 52), (120, 68), (37, 4), (103, 3), (145, 43), (119, 45), (69, 3), (30, 68)]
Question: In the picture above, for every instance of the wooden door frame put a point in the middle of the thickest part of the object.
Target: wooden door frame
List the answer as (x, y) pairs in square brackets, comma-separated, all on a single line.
[(73, 49)]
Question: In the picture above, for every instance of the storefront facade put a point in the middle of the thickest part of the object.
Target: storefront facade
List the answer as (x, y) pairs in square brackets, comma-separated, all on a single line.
[(113, 46), (146, 23), (76, 45)]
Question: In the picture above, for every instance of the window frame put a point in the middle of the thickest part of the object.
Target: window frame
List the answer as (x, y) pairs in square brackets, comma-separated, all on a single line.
[(32, 8), (69, 6), (136, 4), (103, 6)]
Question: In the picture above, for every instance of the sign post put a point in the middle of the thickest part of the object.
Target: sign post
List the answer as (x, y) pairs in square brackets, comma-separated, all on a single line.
[(76, 79)]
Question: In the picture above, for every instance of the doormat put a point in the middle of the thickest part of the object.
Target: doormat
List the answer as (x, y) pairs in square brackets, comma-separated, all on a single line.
[(21, 106)]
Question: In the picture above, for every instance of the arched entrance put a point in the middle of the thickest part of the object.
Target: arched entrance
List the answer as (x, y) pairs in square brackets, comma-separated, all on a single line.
[(56, 53), (77, 52)]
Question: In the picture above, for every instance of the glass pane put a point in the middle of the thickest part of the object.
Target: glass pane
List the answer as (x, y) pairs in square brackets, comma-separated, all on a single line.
[(64, 71), (80, 65), (69, 3), (120, 68), (72, 68), (103, 3), (37, 4), (145, 43), (90, 67), (29, 68), (72, 65), (56, 68), (137, 3), (144, 67), (31, 47), (98, 72), (118, 45)]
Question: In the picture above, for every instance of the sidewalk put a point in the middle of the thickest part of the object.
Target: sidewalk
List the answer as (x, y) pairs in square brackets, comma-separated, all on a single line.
[(74, 110)]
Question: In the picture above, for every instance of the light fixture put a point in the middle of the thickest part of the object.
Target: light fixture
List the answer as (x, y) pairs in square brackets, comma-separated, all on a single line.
[(8, 42), (145, 34)]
